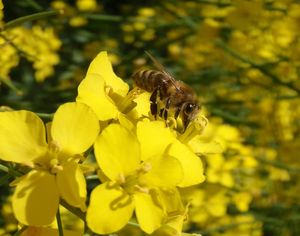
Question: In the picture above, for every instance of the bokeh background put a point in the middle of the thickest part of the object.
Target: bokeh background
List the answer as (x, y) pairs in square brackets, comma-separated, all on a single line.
[(243, 59)]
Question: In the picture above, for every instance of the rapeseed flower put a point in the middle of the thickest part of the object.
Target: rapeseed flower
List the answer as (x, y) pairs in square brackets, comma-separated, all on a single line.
[(54, 164), (132, 181), (102, 90)]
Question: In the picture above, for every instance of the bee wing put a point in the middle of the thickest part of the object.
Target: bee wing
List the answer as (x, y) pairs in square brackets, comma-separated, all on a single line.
[(161, 68)]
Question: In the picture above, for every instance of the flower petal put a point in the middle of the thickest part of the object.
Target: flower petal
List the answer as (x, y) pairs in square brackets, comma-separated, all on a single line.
[(91, 92), (154, 138), (75, 127), (36, 198), (110, 208), (191, 164), (102, 66), (148, 211), (117, 151), (204, 148), (71, 184), (142, 107), (165, 171), (45, 231), (22, 136)]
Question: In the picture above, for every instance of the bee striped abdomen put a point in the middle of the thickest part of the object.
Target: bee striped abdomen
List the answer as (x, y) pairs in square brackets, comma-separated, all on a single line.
[(149, 79)]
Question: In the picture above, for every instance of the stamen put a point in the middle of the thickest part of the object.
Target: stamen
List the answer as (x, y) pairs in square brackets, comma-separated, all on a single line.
[(141, 189), (195, 128), (54, 147), (121, 179), (145, 168)]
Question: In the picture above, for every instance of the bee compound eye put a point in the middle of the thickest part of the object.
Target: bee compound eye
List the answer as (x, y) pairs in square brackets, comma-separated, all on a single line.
[(189, 108)]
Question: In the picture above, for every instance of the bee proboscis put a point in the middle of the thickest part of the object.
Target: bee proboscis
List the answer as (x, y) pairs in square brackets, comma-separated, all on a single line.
[(173, 93)]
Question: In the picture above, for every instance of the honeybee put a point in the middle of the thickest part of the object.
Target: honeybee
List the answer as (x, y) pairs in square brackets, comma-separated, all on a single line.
[(173, 93)]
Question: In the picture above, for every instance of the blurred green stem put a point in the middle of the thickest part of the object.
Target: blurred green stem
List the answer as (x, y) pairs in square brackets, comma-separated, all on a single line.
[(279, 164), (59, 223), (11, 85), (10, 171), (262, 68), (21, 230), (72, 209), (45, 115), (103, 17), (23, 19)]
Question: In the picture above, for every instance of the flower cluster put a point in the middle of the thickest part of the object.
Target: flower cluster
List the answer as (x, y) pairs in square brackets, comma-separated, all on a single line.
[(38, 45), (141, 162)]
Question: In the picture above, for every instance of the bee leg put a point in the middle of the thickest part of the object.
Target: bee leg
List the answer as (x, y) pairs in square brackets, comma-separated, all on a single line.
[(161, 112), (153, 105), (166, 110), (177, 111)]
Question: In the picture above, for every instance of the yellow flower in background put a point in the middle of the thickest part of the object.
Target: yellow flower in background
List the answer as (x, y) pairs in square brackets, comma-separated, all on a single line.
[(39, 45), (86, 5), (55, 170)]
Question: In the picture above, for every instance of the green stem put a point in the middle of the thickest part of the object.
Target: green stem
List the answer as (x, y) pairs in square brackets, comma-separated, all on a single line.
[(72, 209), (59, 223), (4, 179), (103, 17), (92, 177), (133, 224), (21, 230), (11, 85), (262, 68), (45, 115), (10, 171), (23, 19)]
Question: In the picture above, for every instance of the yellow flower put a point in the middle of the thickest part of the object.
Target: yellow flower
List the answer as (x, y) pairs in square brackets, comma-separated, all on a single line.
[(55, 172), (155, 136), (133, 181), (102, 90), (86, 5)]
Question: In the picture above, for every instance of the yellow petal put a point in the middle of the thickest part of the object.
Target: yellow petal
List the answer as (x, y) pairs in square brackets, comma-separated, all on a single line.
[(117, 151), (142, 107), (110, 209), (201, 147), (43, 231), (125, 121), (71, 184), (154, 138), (165, 171), (91, 92), (191, 164), (166, 230), (102, 66), (36, 198), (75, 127), (148, 211), (22, 136)]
